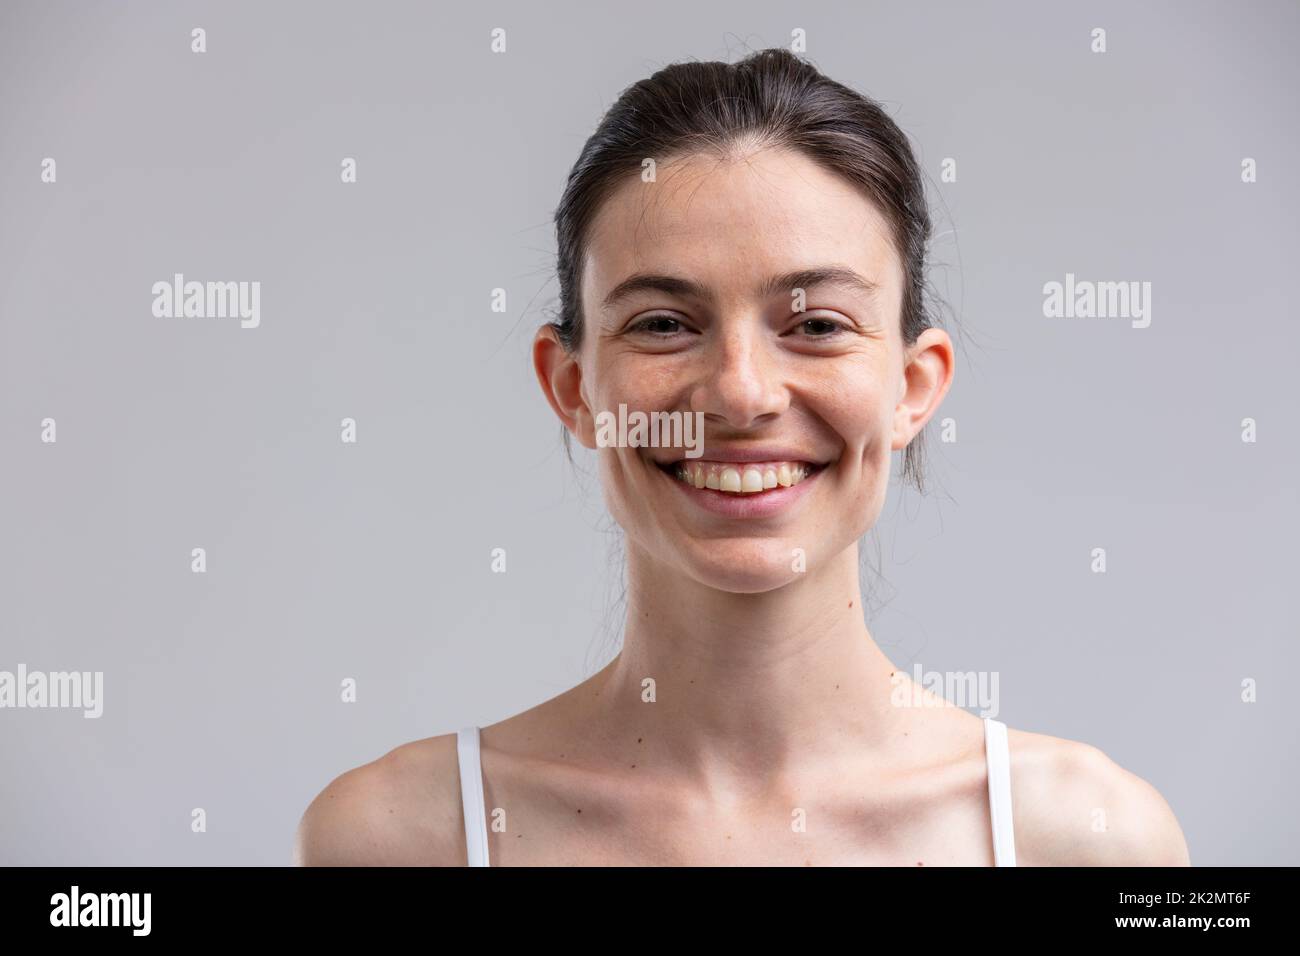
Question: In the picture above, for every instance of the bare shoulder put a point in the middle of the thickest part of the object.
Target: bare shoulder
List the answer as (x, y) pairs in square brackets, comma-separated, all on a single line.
[(1072, 805), (401, 809)]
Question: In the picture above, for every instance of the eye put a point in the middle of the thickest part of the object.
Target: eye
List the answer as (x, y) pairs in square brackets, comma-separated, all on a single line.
[(821, 327), (660, 326)]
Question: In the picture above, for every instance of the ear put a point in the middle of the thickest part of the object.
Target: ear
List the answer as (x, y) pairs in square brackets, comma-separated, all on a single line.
[(560, 376), (927, 374)]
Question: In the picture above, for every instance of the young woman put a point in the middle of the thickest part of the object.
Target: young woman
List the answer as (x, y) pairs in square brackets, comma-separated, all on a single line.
[(744, 244)]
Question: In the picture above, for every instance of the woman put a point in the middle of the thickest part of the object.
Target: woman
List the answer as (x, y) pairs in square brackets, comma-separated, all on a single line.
[(744, 244)]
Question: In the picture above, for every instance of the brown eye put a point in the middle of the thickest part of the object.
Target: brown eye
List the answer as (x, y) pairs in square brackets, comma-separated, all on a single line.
[(657, 325), (821, 328)]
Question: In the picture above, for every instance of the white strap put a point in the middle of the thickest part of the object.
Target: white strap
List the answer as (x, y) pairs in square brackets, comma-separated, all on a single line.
[(999, 768), (471, 796)]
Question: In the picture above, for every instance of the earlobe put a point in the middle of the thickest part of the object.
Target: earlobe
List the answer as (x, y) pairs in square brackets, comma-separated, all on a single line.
[(903, 433)]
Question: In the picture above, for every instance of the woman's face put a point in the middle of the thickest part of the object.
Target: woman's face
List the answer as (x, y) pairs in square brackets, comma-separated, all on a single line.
[(828, 391)]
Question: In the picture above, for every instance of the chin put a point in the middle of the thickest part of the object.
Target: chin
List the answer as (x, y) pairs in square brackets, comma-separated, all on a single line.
[(742, 566)]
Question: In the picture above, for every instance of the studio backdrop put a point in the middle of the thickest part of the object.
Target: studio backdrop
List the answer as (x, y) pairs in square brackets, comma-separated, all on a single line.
[(251, 539)]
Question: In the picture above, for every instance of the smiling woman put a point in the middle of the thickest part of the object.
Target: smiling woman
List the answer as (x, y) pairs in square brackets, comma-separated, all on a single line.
[(744, 242)]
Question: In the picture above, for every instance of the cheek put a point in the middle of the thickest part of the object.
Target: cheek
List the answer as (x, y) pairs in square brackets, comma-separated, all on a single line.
[(619, 489), (642, 384), (856, 399), (648, 383), (857, 402), (858, 405)]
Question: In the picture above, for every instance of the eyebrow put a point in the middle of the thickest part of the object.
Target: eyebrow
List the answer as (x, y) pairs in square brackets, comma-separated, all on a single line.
[(687, 288)]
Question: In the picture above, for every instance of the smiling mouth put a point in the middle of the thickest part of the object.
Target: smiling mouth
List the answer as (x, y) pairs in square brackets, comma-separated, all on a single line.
[(740, 478)]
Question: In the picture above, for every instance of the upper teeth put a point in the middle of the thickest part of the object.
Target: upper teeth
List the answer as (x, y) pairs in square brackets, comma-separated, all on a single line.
[(741, 479)]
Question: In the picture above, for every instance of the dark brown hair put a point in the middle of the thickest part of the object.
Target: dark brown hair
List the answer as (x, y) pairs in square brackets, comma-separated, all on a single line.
[(777, 100)]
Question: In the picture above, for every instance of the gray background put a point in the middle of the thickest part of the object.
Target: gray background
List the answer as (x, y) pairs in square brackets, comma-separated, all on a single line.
[(371, 561)]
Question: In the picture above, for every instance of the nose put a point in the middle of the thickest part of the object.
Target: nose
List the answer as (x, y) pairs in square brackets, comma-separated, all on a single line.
[(740, 383)]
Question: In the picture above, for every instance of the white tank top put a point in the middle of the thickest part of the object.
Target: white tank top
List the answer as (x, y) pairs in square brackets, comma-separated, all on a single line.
[(996, 754)]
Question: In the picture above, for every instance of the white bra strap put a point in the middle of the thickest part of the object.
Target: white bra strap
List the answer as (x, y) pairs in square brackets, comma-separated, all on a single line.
[(999, 771), (471, 796)]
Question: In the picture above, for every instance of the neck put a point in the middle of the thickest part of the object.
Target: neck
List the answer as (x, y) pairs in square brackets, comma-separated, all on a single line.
[(748, 684)]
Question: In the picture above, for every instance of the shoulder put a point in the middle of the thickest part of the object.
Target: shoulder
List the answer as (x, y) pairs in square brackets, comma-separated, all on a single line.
[(401, 809), (1072, 805)]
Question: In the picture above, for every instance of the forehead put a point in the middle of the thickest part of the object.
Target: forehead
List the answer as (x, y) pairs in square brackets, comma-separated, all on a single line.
[(732, 223)]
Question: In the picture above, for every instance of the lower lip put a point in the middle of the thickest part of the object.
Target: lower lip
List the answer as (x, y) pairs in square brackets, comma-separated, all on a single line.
[(758, 504)]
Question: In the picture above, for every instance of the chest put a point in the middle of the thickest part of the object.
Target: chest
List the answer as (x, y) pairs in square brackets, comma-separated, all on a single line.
[(536, 825)]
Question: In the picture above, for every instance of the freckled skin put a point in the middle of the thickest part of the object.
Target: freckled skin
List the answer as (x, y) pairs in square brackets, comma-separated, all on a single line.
[(733, 224)]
